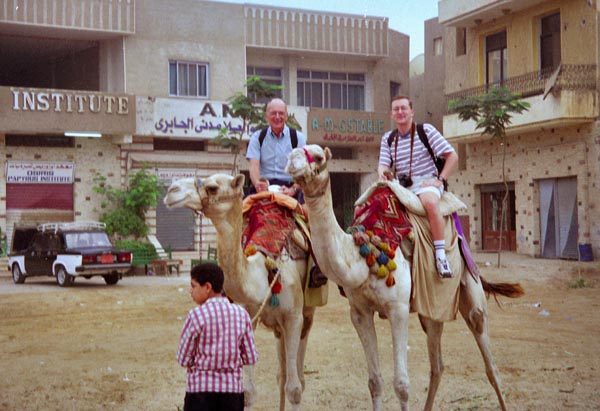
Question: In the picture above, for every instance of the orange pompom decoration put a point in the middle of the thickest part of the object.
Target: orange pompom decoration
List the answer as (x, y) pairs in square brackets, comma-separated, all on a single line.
[(250, 250), (390, 281), (276, 289), (391, 253), (370, 260)]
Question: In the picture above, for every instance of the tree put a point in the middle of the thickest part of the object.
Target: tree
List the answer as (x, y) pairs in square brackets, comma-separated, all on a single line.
[(124, 210), (245, 107), (492, 112)]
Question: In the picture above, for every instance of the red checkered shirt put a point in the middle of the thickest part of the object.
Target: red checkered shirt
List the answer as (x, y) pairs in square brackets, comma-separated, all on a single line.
[(216, 341)]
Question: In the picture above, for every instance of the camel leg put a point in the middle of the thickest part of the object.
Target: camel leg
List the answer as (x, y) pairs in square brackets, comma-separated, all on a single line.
[(306, 326), (282, 370), (434, 330), (399, 325), (365, 328), (249, 388), (291, 339), (473, 308)]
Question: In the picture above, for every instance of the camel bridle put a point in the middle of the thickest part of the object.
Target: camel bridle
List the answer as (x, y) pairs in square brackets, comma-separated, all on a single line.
[(315, 170)]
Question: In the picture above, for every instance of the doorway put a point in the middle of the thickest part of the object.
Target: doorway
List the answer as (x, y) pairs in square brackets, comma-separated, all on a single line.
[(491, 212), (558, 217)]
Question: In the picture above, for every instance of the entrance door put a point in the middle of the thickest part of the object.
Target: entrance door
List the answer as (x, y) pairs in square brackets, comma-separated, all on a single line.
[(175, 227), (344, 192), (558, 217), (491, 212)]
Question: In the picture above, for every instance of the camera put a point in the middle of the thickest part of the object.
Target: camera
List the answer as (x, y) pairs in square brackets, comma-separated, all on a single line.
[(405, 180)]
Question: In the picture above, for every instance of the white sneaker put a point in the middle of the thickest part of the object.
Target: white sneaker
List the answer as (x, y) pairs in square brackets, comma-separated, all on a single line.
[(443, 268)]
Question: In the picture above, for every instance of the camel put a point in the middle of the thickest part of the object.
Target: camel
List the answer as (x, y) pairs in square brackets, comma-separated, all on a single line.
[(338, 256), (219, 197)]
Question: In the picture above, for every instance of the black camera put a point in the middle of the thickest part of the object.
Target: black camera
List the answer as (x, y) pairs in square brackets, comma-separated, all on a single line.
[(405, 180)]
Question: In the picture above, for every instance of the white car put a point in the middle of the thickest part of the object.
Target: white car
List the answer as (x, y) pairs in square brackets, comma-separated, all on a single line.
[(66, 251)]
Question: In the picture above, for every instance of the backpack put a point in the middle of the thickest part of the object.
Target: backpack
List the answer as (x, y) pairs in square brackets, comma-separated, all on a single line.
[(293, 136), (438, 161)]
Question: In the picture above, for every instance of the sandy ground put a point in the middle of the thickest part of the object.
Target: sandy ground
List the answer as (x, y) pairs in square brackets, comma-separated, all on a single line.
[(99, 347)]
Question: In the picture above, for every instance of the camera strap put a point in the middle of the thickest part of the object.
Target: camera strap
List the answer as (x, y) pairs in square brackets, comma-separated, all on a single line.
[(412, 141)]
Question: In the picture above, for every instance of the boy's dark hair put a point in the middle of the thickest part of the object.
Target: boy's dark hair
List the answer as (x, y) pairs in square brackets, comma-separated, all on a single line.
[(209, 273)]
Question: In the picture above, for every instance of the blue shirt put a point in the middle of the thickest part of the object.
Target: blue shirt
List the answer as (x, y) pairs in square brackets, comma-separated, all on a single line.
[(274, 153)]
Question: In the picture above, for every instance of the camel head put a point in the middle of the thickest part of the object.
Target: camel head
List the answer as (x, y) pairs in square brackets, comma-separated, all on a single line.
[(308, 167), (199, 195)]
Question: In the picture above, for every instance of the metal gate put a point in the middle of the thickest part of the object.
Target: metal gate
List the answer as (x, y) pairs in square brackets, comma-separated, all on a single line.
[(558, 217)]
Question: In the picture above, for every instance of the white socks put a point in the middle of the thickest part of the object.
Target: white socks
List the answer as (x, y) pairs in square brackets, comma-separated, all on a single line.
[(440, 249)]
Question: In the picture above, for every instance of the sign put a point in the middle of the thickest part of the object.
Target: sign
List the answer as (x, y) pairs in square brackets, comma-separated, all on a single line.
[(33, 172), (173, 117), (343, 127), (32, 110), (168, 175)]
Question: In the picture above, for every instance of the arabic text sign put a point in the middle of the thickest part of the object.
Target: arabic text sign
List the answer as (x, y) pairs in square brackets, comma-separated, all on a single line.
[(33, 172), (187, 118)]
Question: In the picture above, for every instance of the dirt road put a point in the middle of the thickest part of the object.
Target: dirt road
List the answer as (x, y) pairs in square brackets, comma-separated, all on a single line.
[(99, 347)]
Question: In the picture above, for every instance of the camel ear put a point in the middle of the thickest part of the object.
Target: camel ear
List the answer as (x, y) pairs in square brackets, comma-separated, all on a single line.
[(238, 181), (327, 154)]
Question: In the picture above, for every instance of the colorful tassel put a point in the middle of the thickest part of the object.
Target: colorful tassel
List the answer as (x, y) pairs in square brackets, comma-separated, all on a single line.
[(364, 251), (382, 271), (391, 265), (371, 260), (390, 280), (276, 289), (274, 301), (250, 250), (382, 259)]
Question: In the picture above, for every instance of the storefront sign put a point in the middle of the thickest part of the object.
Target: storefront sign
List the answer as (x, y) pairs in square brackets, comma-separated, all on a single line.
[(34, 172), (172, 117), (168, 175), (338, 127), (30, 110)]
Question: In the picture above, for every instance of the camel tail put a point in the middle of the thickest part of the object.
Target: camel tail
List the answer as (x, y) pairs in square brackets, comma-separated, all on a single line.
[(510, 290)]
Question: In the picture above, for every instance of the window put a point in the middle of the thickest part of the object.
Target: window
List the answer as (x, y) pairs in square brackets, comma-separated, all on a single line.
[(394, 89), (461, 41), (496, 59), (270, 76), (550, 41), (166, 144), (344, 91), (188, 79), (438, 46)]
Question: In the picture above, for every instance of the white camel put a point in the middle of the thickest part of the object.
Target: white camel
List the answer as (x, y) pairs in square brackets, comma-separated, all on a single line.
[(219, 197), (339, 258)]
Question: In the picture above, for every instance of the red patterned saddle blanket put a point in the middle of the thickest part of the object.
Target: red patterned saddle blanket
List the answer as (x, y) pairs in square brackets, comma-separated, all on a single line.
[(383, 214), (267, 226)]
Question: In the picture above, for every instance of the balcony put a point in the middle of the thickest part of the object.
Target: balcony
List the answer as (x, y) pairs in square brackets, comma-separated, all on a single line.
[(561, 97), (468, 13), (57, 18), (305, 31)]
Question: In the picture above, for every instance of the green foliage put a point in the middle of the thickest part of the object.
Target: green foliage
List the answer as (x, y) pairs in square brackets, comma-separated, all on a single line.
[(142, 251), (492, 112), (123, 211), (579, 283), (252, 114)]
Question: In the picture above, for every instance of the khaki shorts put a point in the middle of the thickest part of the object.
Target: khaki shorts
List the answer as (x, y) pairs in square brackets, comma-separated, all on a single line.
[(417, 189)]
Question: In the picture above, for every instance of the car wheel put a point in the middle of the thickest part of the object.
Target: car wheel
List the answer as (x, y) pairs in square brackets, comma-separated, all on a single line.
[(111, 279), (63, 278), (17, 275)]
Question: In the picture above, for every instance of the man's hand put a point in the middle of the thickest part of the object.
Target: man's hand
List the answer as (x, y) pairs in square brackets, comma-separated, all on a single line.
[(261, 186)]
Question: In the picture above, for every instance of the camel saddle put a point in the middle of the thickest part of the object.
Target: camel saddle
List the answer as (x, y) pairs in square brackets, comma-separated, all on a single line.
[(431, 296)]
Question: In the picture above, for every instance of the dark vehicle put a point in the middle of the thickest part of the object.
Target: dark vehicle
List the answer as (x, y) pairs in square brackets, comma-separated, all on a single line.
[(66, 251)]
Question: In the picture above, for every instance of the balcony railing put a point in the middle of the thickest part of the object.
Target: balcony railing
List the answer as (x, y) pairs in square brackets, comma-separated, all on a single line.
[(570, 77), (116, 16)]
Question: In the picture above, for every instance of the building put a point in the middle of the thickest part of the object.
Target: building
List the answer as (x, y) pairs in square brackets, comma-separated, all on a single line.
[(548, 52), (106, 86)]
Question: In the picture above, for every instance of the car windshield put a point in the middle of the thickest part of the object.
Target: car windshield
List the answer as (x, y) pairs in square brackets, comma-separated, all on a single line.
[(95, 239)]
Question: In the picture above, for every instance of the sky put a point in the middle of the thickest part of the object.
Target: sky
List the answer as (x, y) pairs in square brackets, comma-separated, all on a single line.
[(405, 16)]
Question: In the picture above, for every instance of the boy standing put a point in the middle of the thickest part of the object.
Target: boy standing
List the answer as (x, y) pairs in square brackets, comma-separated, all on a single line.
[(216, 342)]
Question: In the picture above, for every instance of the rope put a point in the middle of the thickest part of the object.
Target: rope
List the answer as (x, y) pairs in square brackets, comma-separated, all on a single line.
[(262, 306)]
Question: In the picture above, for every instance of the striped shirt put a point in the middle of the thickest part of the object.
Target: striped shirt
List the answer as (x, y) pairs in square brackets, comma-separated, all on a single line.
[(216, 341), (422, 164)]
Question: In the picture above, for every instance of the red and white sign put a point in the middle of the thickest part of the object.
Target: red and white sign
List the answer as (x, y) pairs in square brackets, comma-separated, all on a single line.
[(39, 172)]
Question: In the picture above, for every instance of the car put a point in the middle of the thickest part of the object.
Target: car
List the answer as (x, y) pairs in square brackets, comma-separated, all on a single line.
[(66, 251)]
